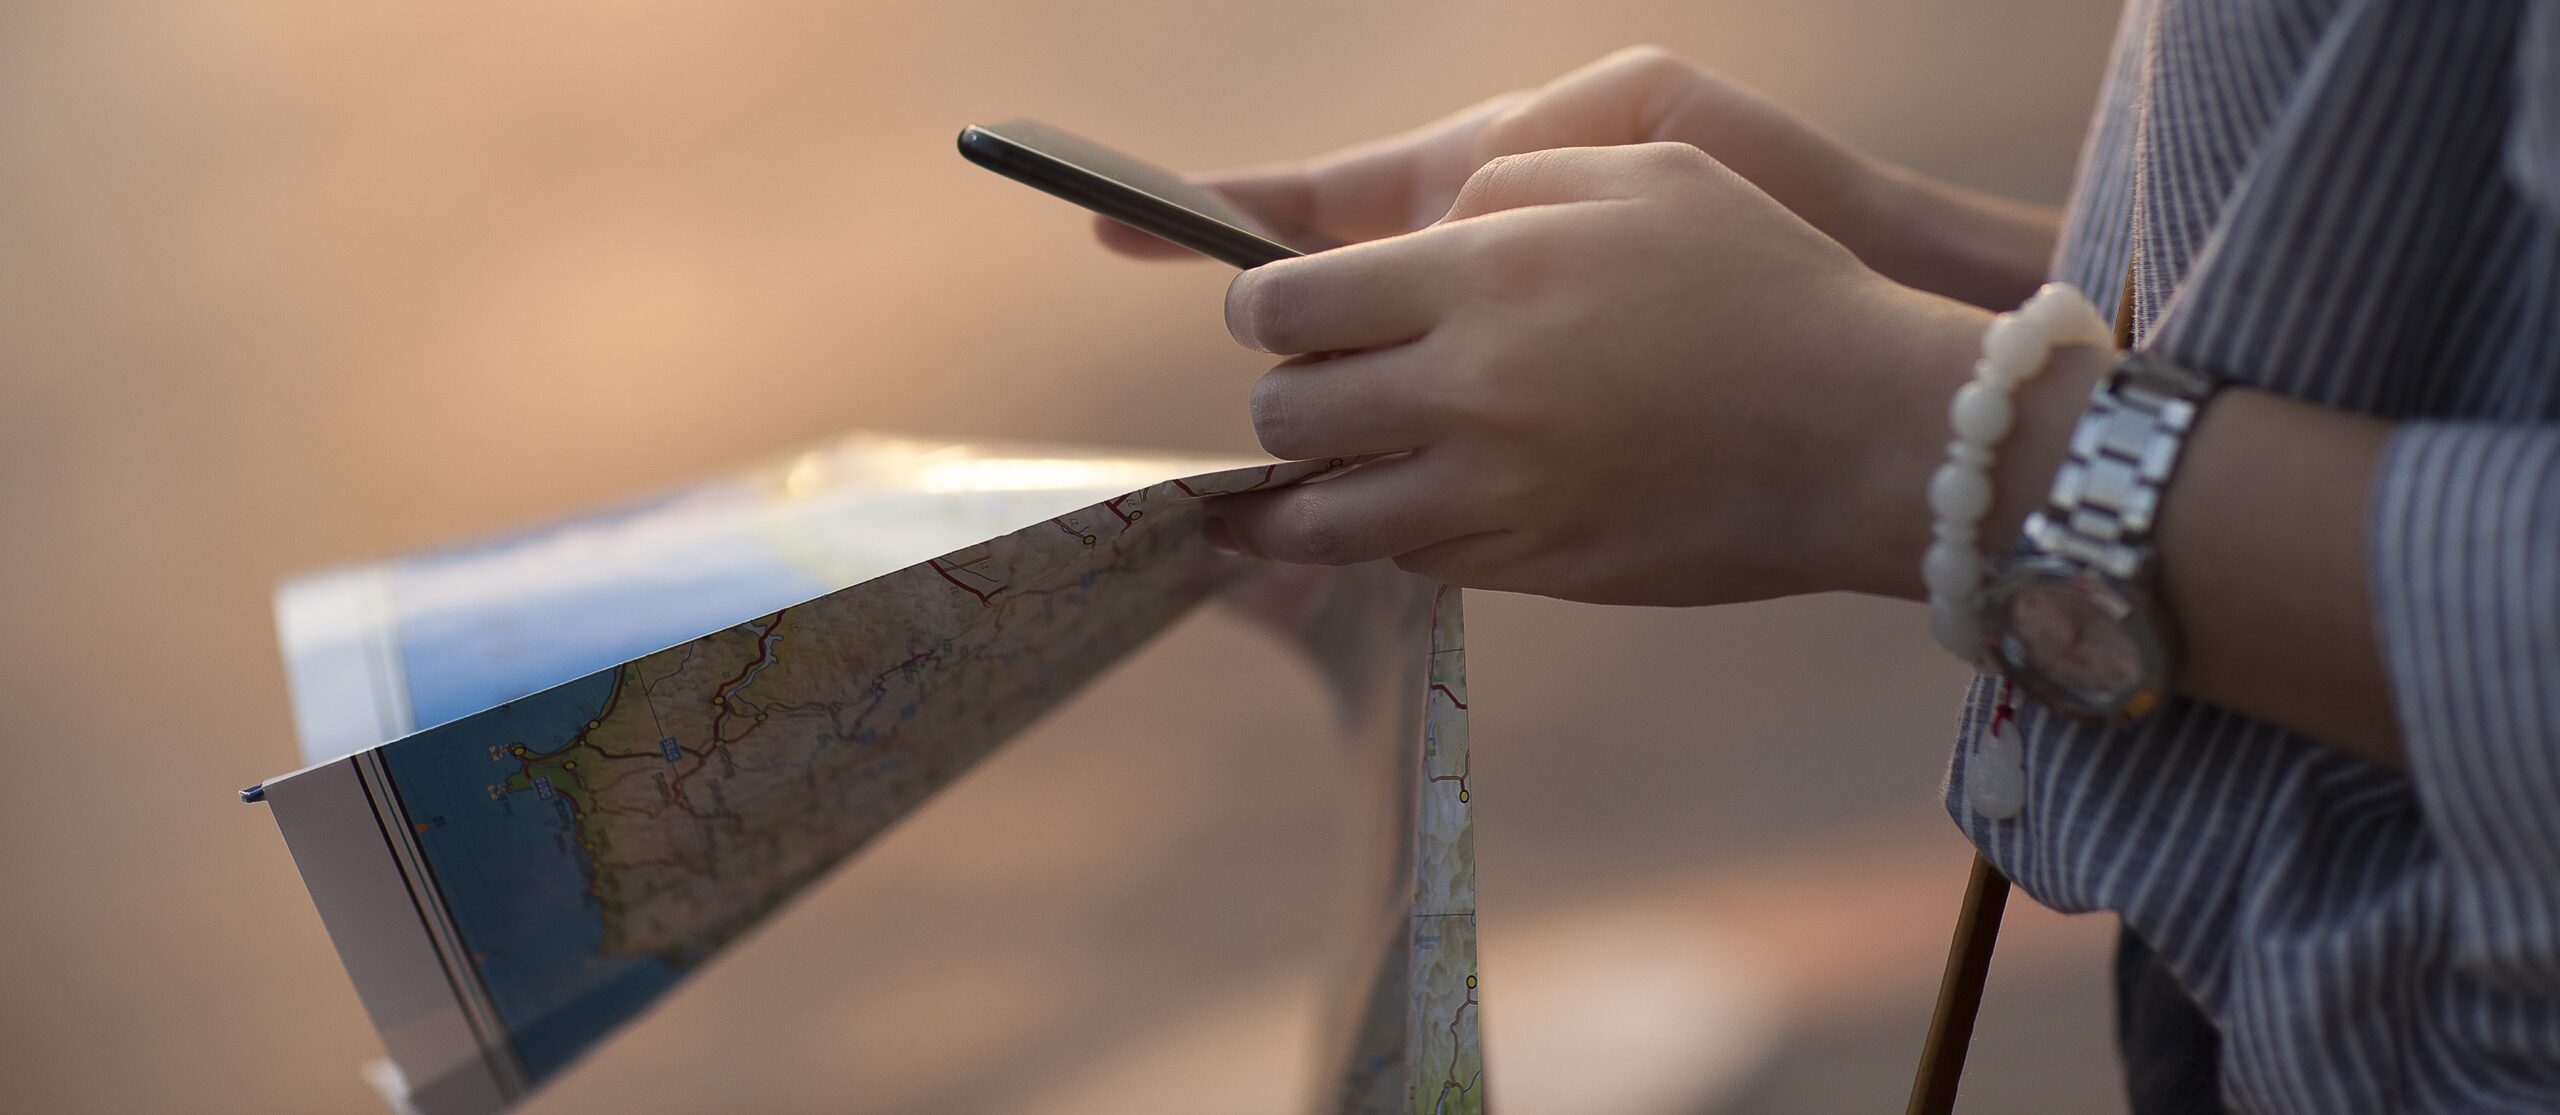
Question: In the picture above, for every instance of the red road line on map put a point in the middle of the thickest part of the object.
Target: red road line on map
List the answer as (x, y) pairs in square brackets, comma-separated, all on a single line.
[(684, 801), (1447, 692), (984, 598), (764, 651), (720, 695)]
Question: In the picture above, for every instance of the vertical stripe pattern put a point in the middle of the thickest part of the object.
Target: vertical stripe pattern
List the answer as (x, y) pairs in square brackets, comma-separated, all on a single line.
[(2356, 203)]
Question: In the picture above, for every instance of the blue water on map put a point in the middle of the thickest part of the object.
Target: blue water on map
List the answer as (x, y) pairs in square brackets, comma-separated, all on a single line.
[(508, 638), (515, 878), (515, 640)]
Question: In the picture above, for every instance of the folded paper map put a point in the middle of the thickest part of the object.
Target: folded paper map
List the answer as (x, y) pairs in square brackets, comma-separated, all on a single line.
[(553, 773)]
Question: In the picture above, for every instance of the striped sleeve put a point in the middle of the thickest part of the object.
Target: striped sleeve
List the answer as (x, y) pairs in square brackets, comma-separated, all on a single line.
[(2533, 136), (2466, 568)]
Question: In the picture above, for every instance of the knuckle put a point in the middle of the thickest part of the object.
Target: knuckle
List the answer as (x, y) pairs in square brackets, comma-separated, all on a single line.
[(1443, 402), (1648, 62), (1504, 165), (1667, 157), (1507, 396), (1474, 394), (1505, 411), (1503, 175)]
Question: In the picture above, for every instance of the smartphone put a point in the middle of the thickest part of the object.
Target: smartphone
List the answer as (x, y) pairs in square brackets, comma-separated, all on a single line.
[(1148, 198)]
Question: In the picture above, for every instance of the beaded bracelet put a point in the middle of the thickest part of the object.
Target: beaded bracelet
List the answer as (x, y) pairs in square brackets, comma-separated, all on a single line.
[(2014, 349)]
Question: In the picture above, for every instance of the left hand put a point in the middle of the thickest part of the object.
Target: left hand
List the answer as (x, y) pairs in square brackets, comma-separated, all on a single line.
[(1623, 375)]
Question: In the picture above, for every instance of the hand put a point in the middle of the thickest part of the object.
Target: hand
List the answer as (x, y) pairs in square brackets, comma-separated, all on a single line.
[(1916, 230), (1620, 374)]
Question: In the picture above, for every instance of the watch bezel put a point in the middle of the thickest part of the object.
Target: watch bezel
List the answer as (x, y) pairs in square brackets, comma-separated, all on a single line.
[(2128, 606)]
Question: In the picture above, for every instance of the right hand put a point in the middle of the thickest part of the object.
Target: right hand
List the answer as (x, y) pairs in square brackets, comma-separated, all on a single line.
[(1637, 95)]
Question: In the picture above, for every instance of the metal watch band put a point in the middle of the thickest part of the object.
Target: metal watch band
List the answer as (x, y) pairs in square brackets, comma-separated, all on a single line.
[(2106, 495)]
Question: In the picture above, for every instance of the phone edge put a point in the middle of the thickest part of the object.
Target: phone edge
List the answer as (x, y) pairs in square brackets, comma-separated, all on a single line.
[(1215, 239)]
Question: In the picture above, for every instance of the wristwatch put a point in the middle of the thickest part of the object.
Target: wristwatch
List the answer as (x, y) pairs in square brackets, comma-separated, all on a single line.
[(2073, 616)]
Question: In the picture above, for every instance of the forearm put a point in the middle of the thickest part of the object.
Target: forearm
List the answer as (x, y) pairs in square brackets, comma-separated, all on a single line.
[(1973, 247), (2261, 540)]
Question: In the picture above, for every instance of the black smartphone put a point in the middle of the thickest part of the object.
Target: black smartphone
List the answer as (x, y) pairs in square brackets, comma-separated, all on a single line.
[(1148, 198)]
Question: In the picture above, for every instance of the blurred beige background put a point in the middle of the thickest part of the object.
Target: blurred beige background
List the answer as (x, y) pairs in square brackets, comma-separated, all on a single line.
[(285, 284)]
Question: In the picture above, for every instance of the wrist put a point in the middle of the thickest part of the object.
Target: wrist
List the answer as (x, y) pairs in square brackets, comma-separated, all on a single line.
[(1941, 343), (2048, 407), (1935, 343)]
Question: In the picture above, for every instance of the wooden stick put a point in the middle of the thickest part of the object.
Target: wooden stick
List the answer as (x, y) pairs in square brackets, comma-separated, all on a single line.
[(1933, 1087)]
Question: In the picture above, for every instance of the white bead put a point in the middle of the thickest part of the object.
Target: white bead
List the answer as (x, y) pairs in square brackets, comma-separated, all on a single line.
[(1995, 782), (1951, 571), (2052, 304), (1960, 492), (1980, 413), (2068, 317), (1956, 629), (2013, 348)]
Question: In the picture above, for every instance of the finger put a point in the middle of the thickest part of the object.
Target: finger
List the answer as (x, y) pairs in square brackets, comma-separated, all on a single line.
[(1401, 182), (1364, 296), (1374, 511), (1343, 406), (1363, 192), (1571, 174), (1391, 185)]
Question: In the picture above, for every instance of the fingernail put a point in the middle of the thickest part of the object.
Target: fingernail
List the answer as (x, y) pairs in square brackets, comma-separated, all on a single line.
[(1220, 536), (1239, 324)]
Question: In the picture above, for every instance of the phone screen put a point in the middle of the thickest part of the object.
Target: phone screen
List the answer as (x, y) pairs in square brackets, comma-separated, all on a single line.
[(1142, 196)]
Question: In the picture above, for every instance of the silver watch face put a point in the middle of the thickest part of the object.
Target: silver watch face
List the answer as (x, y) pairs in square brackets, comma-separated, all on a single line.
[(2075, 640)]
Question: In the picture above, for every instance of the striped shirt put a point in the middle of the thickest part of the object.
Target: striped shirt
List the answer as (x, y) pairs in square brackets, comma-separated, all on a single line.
[(2356, 203)]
